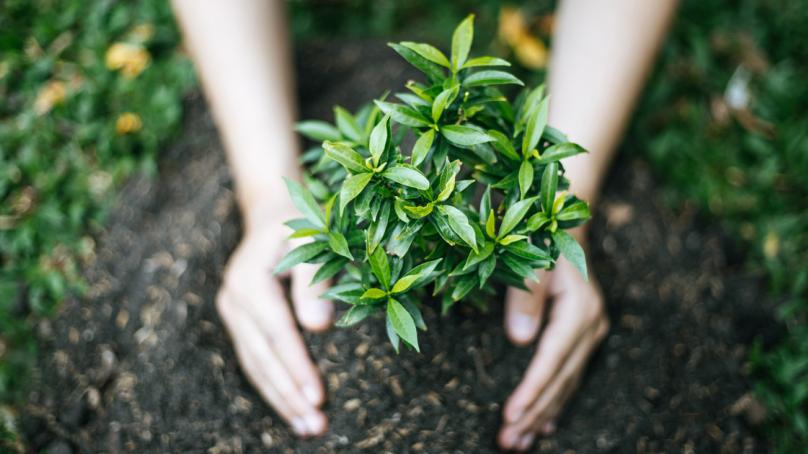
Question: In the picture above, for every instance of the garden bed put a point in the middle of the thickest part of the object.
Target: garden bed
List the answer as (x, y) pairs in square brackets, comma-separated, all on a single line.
[(143, 363)]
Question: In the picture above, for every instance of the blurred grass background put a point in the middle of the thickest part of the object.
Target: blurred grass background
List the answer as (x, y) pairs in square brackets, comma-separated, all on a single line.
[(90, 91)]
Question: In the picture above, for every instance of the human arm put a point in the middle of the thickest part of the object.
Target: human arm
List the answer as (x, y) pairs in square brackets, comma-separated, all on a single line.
[(241, 52), (602, 52)]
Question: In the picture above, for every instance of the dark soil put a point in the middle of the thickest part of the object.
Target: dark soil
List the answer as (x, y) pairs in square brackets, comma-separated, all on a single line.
[(143, 364)]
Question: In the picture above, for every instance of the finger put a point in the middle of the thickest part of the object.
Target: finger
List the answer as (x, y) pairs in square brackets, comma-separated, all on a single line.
[(523, 310), (546, 424), (264, 370), (313, 312), (556, 343), (520, 434), (276, 323), (560, 387)]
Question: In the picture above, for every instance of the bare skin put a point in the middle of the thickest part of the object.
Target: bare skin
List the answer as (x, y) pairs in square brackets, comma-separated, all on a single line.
[(241, 51)]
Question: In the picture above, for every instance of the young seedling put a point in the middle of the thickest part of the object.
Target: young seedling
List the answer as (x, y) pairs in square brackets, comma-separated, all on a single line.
[(479, 199)]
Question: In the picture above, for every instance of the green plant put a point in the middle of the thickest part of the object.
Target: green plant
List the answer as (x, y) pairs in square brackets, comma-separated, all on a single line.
[(89, 91), (396, 223)]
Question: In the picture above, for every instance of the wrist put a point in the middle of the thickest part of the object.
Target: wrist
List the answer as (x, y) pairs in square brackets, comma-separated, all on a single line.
[(263, 205)]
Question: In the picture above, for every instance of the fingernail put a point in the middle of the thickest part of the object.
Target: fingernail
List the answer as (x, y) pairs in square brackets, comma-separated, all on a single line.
[(526, 441), (299, 425), (522, 325), (317, 314), (511, 438), (549, 428), (312, 394), (315, 423)]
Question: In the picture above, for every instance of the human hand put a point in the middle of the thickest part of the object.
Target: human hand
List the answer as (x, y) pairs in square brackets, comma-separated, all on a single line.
[(576, 325), (268, 345)]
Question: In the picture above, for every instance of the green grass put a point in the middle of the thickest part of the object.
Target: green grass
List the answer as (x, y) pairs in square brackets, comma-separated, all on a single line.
[(751, 175), (61, 156)]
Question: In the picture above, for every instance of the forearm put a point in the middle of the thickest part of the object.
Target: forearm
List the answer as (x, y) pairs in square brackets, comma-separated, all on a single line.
[(241, 51), (602, 52)]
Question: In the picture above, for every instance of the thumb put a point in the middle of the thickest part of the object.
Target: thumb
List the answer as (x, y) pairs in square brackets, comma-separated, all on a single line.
[(523, 310), (313, 312)]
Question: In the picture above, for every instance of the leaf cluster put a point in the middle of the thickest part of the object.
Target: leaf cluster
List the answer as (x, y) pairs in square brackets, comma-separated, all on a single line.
[(449, 186)]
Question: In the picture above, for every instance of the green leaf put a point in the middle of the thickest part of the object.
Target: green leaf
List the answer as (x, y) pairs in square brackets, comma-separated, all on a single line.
[(574, 212), (339, 244), (514, 215), (373, 293), (511, 239), (416, 314), (535, 127), (345, 155), (503, 145), (402, 323), (527, 251), (380, 266), (459, 224), (447, 180), (427, 51), (477, 257), (486, 268), (391, 334), (554, 136), (329, 206), (414, 275), (413, 101), (525, 177), (571, 250), (299, 255), (399, 209), (538, 220), (305, 203), (491, 77), (402, 114), (378, 140), (305, 233), (300, 223), (318, 130), (407, 176), (485, 61), (419, 211), (491, 225), (464, 286), (352, 187), (519, 266), (347, 125), (422, 146), (461, 42), (403, 284), (560, 151), (444, 99), (402, 237), (349, 292), (328, 270), (465, 135), (377, 229), (529, 106), (549, 183), (433, 71), (485, 204), (558, 203), (355, 315)]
